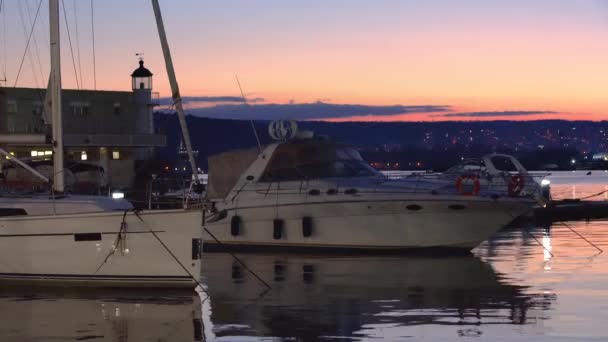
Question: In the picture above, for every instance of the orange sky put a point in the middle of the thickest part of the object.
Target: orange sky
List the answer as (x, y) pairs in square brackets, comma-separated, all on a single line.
[(473, 55)]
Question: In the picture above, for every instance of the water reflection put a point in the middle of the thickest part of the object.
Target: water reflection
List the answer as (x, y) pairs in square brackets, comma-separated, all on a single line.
[(505, 290), (40, 315), (354, 297)]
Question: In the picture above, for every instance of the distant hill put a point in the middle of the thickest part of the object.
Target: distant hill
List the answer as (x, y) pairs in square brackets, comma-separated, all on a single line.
[(536, 142)]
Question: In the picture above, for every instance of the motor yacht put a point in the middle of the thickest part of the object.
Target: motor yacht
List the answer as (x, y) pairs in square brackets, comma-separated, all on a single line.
[(309, 192)]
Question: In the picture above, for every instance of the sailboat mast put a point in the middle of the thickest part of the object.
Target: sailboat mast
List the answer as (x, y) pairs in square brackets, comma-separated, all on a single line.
[(55, 98), (177, 99)]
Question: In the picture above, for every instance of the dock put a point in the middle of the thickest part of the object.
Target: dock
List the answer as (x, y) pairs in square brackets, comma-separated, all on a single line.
[(572, 210)]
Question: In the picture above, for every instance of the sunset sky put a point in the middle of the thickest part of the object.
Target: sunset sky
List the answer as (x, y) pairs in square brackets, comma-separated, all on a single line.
[(477, 60)]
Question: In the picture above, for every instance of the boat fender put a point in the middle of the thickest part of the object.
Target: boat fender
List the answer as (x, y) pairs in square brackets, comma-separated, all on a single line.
[(235, 225), (306, 226), (277, 231), (351, 191), (197, 249), (314, 192), (332, 191), (456, 207), (516, 184), (462, 190), (414, 207)]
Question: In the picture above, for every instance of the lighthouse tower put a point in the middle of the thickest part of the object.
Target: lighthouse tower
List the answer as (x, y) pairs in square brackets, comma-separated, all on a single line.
[(141, 84)]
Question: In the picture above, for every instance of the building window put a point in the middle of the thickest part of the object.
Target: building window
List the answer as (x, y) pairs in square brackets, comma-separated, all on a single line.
[(37, 108), (12, 107), (116, 108), (41, 155), (115, 155), (83, 155), (79, 109)]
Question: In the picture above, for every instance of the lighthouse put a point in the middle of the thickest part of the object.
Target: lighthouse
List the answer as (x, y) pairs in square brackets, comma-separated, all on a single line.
[(141, 84)]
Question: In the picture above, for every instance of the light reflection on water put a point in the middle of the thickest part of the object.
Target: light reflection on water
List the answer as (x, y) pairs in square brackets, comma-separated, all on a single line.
[(68, 315), (510, 289)]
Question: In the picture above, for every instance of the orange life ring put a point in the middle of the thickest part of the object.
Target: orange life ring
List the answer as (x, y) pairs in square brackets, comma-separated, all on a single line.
[(476, 185), (516, 184)]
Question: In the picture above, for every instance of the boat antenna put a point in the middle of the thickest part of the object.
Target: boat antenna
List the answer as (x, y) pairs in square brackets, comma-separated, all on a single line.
[(255, 132)]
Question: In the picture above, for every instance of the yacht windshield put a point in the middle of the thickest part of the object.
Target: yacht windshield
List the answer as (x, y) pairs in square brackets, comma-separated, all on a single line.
[(469, 165), (503, 163), (314, 161)]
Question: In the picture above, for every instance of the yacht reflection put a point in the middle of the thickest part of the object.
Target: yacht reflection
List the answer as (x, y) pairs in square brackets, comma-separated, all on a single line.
[(339, 296), (100, 316)]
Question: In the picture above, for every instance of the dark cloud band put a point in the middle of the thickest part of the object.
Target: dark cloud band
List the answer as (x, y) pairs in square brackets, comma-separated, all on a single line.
[(308, 111)]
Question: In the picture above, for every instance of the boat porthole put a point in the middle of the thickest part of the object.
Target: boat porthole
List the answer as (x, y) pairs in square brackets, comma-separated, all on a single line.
[(277, 231), (314, 192), (249, 178), (351, 191), (306, 226), (414, 207), (235, 225), (332, 191), (456, 206)]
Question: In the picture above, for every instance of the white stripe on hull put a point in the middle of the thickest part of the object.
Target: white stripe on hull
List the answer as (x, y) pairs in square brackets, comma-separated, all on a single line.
[(44, 248), (370, 225)]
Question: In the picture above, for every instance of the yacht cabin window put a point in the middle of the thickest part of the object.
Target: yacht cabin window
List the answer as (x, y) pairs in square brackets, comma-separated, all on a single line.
[(502, 163), (294, 162)]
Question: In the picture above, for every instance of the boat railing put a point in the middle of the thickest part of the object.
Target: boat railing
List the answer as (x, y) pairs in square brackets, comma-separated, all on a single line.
[(468, 184)]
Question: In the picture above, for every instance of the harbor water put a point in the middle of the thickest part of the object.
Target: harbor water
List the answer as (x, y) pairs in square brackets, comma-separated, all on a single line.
[(526, 283)]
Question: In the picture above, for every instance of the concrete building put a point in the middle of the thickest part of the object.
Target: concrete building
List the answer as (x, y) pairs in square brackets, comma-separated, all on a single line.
[(109, 129)]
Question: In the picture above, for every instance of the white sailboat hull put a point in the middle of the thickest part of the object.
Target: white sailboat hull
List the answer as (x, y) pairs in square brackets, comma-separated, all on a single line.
[(91, 250), (370, 225)]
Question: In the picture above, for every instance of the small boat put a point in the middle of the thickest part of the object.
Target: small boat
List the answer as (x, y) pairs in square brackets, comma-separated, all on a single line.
[(494, 171), (307, 192)]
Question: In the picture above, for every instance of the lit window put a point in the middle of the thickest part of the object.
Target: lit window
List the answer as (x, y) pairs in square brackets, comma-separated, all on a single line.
[(115, 155), (83, 155), (34, 153), (48, 153)]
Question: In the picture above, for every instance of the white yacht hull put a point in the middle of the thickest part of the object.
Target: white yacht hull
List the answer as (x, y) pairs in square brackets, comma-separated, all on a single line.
[(369, 225), (85, 249)]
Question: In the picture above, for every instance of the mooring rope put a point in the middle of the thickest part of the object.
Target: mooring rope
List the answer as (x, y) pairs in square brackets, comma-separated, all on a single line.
[(232, 254), (172, 255), (118, 242), (593, 195), (582, 237)]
